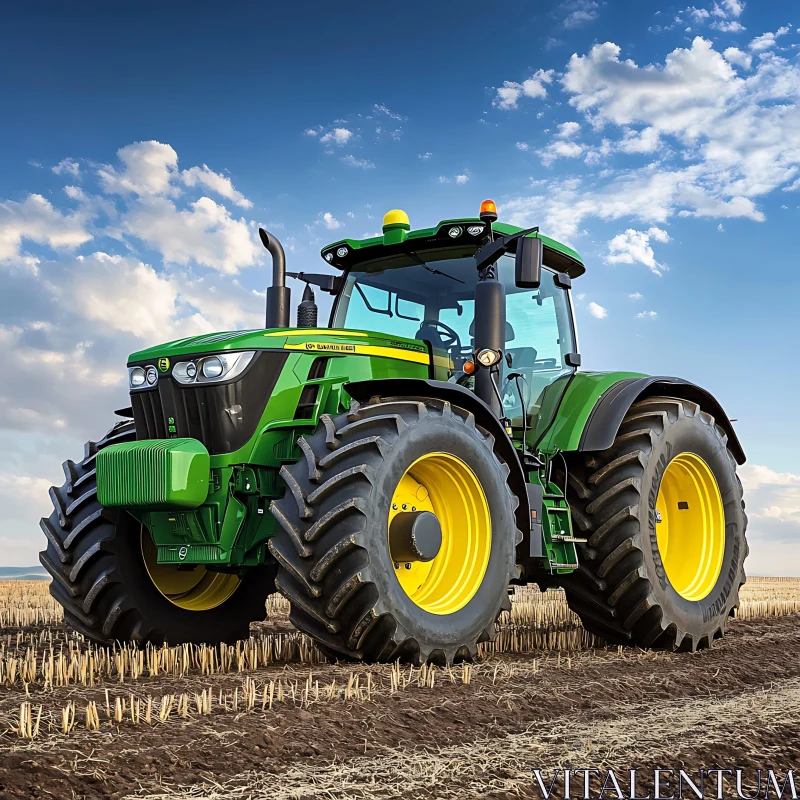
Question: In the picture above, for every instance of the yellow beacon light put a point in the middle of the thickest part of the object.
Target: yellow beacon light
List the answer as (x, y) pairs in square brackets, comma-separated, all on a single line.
[(396, 219), (488, 211)]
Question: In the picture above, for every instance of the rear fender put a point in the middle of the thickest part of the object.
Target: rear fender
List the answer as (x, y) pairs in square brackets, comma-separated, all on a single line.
[(593, 424)]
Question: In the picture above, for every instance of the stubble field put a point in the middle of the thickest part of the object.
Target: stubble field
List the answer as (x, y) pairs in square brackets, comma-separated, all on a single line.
[(269, 718)]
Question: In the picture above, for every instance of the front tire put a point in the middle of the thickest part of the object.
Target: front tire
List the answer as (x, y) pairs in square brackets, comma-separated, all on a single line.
[(663, 513), (347, 588), (105, 575)]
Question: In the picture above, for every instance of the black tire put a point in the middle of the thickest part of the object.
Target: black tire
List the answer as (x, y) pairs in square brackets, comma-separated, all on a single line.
[(335, 567), (99, 576), (621, 591)]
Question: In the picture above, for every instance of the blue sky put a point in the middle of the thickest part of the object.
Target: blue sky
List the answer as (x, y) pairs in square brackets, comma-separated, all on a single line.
[(140, 149)]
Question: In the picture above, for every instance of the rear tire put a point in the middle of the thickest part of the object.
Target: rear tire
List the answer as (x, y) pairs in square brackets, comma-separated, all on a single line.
[(622, 591), (335, 564), (95, 557)]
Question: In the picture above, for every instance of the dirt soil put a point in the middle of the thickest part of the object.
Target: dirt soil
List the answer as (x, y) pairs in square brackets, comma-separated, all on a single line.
[(735, 705)]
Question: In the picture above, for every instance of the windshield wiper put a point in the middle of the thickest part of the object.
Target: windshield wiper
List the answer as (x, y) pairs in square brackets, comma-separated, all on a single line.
[(432, 270)]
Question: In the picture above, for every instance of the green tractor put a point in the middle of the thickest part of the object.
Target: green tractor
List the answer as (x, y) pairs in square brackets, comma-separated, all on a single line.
[(394, 474)]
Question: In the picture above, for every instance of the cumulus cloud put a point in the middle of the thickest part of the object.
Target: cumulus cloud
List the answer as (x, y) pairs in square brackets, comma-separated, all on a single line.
[(636, 296), (772, 497), (596, 310), (523, 146), (463, 178), (37, 220), (147, 169), (646, 315), (767, 40), (221, 184), (724, 137), (68, 166), (509, 94), (329, 221), (633, 247), (337, 136)]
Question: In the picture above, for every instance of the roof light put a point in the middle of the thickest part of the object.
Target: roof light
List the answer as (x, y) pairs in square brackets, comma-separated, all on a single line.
[(475, 230), (396, 219), (342, 252), (488, 211), (454, 232)]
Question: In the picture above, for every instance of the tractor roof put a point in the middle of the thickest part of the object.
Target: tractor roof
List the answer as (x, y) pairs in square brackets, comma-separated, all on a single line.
[(441, 241)]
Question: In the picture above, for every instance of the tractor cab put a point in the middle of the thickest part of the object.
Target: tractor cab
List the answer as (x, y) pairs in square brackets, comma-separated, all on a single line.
[(421, 285)]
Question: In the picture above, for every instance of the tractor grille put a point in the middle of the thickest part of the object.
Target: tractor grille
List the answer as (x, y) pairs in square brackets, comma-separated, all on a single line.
[(223, 416)]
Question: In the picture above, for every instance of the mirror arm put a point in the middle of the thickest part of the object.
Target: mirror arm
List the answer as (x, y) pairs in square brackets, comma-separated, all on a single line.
[(489, 253)]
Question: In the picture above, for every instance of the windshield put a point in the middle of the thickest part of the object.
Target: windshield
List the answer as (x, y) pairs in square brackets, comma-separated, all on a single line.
[(434, 301)]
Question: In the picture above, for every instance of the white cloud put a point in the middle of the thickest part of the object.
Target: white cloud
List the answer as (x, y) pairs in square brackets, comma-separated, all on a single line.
[(382, 109), (646, 315), (767, 40), (338, 136), (221, 184), (559, 148), (772, 497), (728, 26), (724, 139), (582, 13), (636, 297), (738, 57), (330, 222), (523, 146), (444, 179), (37, 220), (310, 132), (566, 130), (424, 156), (352, 161), (597, 310), (204, 233), (509, 94), (633, 247), (68, 166), (463, 178), (148, 168)]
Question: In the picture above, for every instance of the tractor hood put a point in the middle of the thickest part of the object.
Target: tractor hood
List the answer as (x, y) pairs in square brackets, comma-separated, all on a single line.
[(322, 340)]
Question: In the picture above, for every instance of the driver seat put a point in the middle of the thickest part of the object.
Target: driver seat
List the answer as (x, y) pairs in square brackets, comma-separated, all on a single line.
[(428, 333)]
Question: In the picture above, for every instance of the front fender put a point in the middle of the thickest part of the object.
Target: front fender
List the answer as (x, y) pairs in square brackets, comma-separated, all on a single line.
[(595, 404)]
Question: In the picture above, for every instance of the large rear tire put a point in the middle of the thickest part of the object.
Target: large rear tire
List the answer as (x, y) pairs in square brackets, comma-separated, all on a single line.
[(106, 578), (663, 513), (338, 565)]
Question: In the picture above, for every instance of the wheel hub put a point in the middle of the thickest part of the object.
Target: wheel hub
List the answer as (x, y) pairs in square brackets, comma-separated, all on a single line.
[(415, 536)]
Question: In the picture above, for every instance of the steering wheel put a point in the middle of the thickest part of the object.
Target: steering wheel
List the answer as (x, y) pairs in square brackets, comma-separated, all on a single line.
[(450, 339)]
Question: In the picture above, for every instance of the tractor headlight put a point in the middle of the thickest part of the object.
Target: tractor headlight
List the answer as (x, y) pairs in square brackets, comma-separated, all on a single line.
[(212, 369), (475, 230), (487, 357), (454, 232), (152, 376), (136, 377)]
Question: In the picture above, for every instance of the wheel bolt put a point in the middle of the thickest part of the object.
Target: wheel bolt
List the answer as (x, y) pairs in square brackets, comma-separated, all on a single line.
[(404, 506), (396, 565), (394, 506), (408, 566), (413, 508)]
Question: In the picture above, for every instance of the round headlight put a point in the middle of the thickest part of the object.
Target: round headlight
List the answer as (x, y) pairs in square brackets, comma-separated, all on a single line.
[(475, 230), (152, 376), (454, 232), (488, 357), (136, 377), (329, 257), (213, 367), (191, 370), (342, 252)]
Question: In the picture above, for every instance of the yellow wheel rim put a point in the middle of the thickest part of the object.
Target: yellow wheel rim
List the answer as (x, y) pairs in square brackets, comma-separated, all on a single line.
[(446, 486), (690, 526), (194, 590)]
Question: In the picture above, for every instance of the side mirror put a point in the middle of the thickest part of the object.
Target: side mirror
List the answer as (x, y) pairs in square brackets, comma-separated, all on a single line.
[(528, 263)]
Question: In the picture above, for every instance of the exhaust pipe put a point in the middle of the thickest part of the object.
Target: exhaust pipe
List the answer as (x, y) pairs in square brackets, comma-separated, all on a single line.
[(278, 295)]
